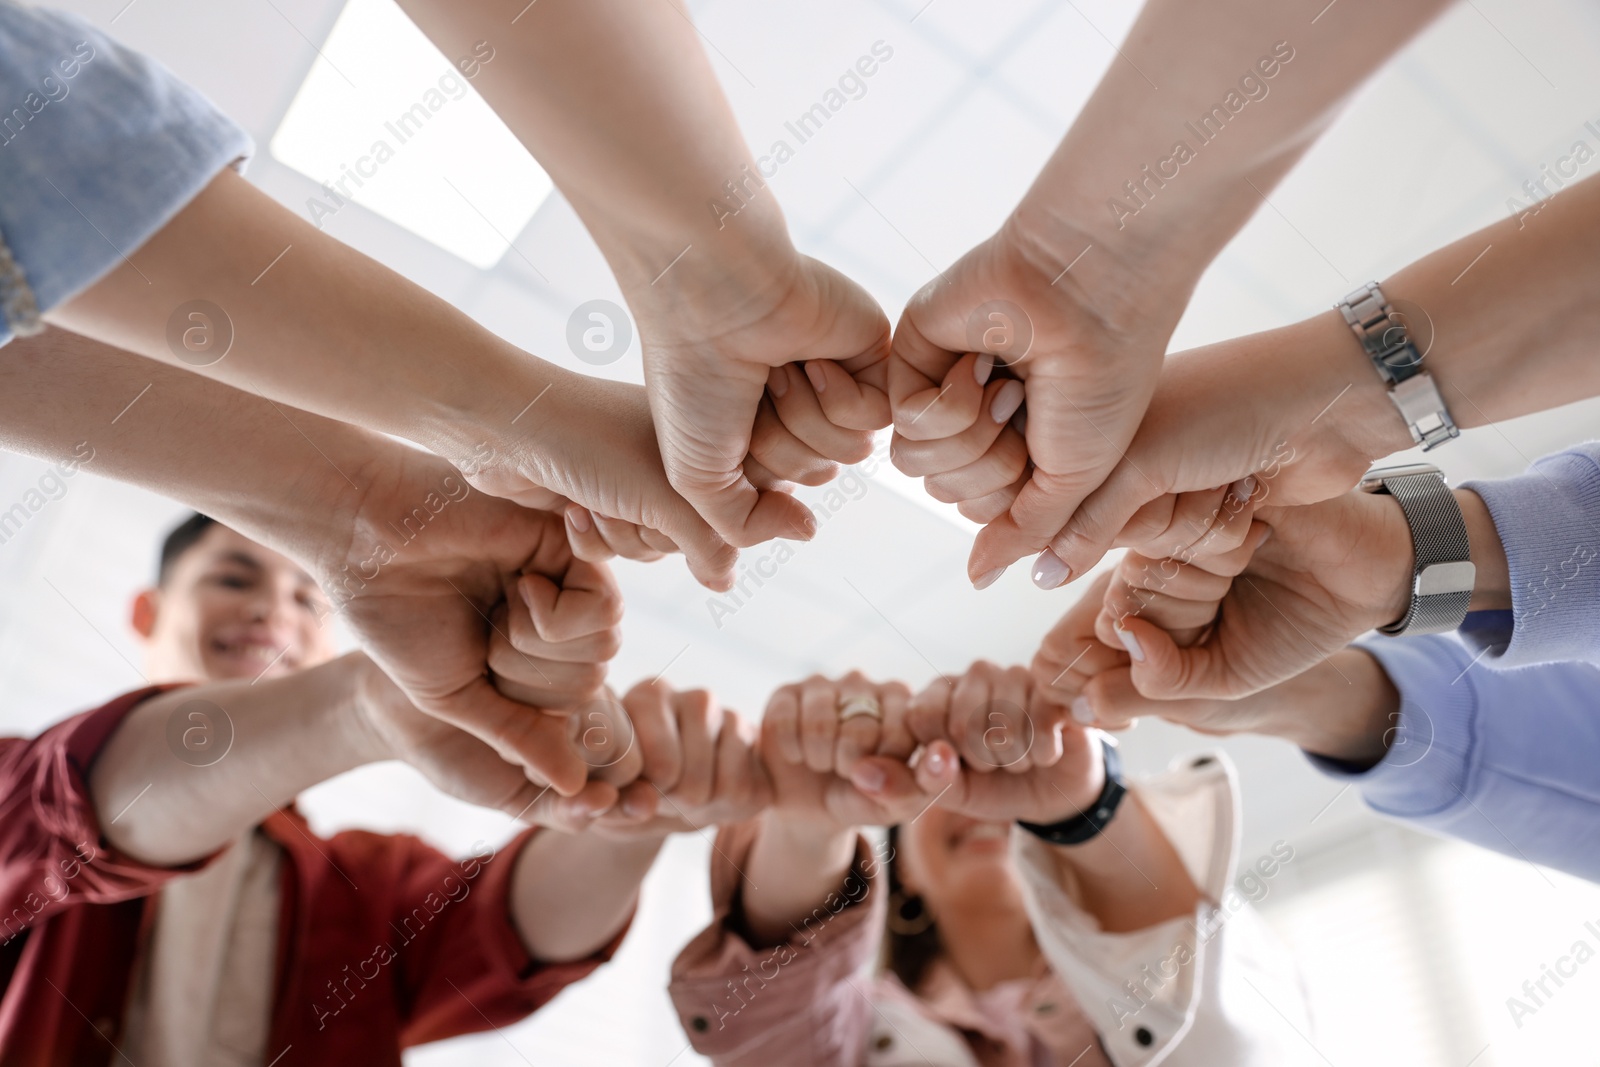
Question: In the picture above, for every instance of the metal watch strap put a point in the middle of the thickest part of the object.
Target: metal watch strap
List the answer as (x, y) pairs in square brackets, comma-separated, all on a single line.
[(1088, 823), (1442, 571), (1388, 343)]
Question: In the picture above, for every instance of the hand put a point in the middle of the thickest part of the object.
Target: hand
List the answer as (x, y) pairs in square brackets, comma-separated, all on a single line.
[(1326, 574), (1306, 426), (717, 353), (992, 718), (1088, 373), (810, 755), (419, 580), (591, 443), (1043, 794), (686, 763), (466, 768)]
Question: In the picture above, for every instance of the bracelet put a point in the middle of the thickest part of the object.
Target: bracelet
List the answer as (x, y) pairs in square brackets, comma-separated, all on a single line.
[(1088, 824)]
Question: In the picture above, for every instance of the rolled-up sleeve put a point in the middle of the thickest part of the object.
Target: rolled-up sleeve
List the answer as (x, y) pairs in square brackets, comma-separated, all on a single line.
[(803, 1002), (1214, 987), (1549, 524), (99, 148), (1503, 759), (53, 855)]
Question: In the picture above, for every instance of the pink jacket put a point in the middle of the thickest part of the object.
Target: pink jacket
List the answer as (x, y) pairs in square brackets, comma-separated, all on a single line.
[(1213, 988), (807, 1003)]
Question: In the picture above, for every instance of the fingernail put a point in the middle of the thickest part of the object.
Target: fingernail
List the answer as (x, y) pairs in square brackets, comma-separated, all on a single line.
[(868, 778), (1006, 402), (936, 762), (983, 368), (1131, 643), (778, 381), (819, 381), (1242, 489), (988, 578), (579, 517), (1081, 711), (1048, 570)]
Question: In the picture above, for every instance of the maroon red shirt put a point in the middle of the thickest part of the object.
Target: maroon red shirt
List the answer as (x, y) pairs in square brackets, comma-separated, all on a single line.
[(383, 941)]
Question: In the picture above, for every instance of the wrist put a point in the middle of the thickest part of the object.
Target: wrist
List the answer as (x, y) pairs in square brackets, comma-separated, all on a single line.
[(1071, 800), (720, 285), (1491, 589), (353, 722), (1137, 296), (820, 842), (1345, 708), (1345, 406)]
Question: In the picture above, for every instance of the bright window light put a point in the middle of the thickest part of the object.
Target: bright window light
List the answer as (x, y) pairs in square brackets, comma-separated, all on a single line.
[(385, 120)]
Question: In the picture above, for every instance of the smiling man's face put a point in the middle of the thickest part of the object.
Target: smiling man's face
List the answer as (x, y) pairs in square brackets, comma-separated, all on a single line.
[(228, 609)]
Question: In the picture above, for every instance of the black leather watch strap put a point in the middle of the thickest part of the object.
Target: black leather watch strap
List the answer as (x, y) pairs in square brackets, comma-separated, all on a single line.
[(1087, 824)]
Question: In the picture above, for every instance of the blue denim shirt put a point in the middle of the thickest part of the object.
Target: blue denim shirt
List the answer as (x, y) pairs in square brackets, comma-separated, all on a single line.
[(99, 148), (1498, 741)]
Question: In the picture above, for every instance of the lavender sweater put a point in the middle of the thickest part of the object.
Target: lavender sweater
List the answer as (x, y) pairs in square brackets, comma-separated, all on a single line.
[(1499, 734)]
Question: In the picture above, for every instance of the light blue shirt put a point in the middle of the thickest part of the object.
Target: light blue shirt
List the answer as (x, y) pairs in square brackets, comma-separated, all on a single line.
[(99, 148), (1498, 740)]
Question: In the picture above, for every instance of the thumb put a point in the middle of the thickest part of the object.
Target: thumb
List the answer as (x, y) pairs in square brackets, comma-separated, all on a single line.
[(939, 769), (1159, 669), (1097, 523), (710, 557), (572, 814), (884, 779), (849, 402)]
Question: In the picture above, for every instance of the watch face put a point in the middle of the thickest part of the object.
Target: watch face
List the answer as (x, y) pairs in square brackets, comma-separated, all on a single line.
[(1454, 577)]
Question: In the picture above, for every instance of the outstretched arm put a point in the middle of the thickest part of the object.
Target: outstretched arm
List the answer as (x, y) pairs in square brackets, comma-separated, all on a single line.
[(1505, 319), (620, 104), (1203, 109), (334, 497)]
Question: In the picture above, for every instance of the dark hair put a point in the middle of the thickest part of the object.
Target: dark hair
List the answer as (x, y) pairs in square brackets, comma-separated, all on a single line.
[(181, 539), (909, 954)]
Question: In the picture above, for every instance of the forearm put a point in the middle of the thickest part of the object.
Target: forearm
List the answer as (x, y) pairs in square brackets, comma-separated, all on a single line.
[(794, 865), (654, 145), (285, 477), (1128, 876), (1505, 319), (190, 770), (572, 892), (1344, 708), (323, 327), (1244, 87)]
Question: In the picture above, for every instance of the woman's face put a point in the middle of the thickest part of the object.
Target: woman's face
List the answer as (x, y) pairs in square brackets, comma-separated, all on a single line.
[(955, 862)]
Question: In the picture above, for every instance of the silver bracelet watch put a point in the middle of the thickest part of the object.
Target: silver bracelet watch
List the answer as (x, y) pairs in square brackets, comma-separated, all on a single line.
[(1442, 573), (1388, 343)]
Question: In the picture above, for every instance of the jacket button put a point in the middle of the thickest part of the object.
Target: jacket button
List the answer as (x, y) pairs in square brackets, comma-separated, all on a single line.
[(1144, 1037), (1045, 1008), (107, 1028), (883, 1043), (699, 1024), (1203, 761)]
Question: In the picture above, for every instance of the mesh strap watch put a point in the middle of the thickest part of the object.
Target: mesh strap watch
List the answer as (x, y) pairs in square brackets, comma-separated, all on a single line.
[(1442, 573), (1384, 335)]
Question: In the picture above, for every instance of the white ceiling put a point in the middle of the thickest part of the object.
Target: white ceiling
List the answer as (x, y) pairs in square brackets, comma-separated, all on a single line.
[(926, 164)]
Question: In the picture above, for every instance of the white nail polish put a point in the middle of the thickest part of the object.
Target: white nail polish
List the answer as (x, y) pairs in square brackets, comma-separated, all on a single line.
[(983, 368), (1131, 643), (988, 578), (1049, 572), (1006, 402), (1081, 711)]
